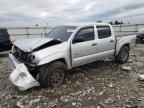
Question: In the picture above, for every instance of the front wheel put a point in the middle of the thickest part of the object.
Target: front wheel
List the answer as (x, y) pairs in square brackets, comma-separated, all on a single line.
[(123, 55), (52, 74)]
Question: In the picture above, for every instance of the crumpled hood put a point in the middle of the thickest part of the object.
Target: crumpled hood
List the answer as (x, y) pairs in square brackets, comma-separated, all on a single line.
[(30, 44)]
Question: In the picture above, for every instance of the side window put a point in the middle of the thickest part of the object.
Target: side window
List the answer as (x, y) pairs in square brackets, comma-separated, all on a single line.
[(103, 32), (85, 34)]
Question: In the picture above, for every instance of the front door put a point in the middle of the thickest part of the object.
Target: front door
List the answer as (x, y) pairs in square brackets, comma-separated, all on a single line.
[(83, 46)]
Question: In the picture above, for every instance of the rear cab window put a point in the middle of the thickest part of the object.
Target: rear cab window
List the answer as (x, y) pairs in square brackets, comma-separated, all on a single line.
[(103, 31)]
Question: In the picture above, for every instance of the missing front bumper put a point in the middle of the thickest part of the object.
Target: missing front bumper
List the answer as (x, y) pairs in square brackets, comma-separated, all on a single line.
[(20, 76)]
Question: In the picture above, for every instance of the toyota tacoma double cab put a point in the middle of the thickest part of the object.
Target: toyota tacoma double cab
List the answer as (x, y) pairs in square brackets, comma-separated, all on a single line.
[(47, 60)]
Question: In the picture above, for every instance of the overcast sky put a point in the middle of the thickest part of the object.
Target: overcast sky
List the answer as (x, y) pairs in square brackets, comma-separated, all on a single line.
[(56, 12)]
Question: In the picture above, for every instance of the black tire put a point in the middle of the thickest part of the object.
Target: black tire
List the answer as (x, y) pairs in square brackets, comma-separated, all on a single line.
[(123, 55), (53, 74)]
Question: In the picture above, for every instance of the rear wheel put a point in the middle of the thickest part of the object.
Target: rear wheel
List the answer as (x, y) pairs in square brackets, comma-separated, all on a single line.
[(52, 74), (123, 55)]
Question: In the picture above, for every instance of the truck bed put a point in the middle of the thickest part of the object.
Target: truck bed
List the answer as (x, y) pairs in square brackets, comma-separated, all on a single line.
[(121, 34)]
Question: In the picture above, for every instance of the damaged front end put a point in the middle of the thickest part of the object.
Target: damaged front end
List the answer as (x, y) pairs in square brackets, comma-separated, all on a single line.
[(21, 78), (24, 73), (25, 65)]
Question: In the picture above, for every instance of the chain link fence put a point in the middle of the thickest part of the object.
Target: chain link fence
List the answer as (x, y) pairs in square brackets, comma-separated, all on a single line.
[(127, 29), (34, 32), (29, 32)]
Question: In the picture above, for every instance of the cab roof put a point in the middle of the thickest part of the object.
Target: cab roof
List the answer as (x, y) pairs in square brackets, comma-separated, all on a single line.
[(87, 24)]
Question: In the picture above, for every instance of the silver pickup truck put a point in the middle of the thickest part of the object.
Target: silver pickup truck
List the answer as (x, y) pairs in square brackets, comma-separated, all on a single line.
[(45, 61)]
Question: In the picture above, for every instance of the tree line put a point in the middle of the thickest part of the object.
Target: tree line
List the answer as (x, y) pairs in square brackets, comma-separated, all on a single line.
[(116, 22)]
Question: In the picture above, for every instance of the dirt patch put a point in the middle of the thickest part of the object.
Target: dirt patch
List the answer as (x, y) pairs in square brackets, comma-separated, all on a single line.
[(102, 84)]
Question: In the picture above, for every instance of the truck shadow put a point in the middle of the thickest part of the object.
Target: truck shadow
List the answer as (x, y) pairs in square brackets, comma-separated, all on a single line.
[(95, 67)]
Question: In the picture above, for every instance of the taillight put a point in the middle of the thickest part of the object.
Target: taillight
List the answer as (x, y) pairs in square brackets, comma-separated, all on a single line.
[(12, 39)]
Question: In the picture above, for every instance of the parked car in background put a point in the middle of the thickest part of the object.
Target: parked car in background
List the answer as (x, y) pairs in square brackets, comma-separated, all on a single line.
[(140, 35), (5, 40), (65, 47)]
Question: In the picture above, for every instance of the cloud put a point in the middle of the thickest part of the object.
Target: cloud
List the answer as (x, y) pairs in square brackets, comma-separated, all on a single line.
[(55, 12), (131, 13)]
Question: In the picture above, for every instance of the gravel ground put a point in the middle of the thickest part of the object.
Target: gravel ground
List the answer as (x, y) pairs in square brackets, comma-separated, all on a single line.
[(102, 84)]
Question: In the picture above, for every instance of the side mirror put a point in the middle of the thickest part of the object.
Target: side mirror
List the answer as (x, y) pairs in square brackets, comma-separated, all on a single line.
[(78, 39)]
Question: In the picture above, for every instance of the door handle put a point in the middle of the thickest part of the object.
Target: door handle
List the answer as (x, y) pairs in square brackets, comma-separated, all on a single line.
[(94, 44), (111, 40)]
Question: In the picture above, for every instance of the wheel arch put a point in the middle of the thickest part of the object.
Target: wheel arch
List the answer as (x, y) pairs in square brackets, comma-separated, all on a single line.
[(120, 46), (59, 60)]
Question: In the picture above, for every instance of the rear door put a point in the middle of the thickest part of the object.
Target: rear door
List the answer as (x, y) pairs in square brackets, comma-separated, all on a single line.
[(105, 42), (84, 52)]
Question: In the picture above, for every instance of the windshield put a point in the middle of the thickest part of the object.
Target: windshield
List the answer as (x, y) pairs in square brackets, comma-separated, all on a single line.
[(62, 33)]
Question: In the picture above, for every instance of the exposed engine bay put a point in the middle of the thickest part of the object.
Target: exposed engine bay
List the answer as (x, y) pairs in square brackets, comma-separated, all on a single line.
[(27, 57)]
